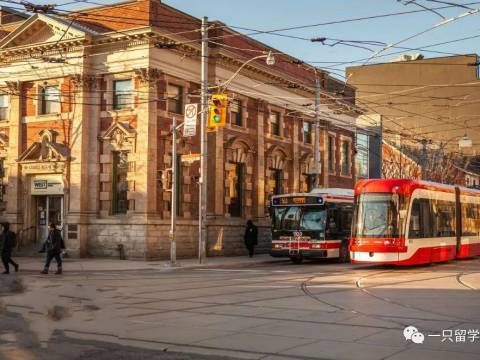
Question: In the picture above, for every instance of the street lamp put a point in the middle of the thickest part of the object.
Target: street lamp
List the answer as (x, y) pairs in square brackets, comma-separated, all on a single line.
[(270, 60)]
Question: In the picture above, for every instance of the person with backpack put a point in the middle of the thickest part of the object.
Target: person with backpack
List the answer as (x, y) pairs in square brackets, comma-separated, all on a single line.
[(8, 243), (53, 246)]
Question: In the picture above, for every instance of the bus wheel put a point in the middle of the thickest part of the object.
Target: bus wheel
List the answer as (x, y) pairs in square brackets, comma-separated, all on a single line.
[(296, 259), (344, 255)]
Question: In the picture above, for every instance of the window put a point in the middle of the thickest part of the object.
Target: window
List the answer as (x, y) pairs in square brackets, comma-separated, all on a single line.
[(470, 220), (310, 182), (307, 132), (175, 99), (236, 113), (49, 100), (275, 123), (331, 154), (3, 107), (346, 166), (432, 218), (277, 181), (119, 183), (122, 94), (361, 159), (236, 189), (377, 215)]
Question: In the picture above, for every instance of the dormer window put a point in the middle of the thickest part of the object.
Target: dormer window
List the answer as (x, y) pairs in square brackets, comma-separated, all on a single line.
[(49, 100)]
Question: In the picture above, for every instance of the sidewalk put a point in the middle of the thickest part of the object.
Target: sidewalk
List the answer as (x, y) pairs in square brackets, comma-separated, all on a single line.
[(102, 264)]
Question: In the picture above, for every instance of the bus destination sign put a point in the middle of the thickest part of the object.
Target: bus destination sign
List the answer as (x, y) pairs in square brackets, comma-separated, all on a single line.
[(298, 200)]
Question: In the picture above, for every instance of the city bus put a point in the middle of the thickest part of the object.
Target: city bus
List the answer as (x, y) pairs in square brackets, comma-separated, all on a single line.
[(314, 225), (410, 222)]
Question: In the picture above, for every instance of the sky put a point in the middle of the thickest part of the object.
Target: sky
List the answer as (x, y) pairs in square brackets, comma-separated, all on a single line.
[(275, 14)]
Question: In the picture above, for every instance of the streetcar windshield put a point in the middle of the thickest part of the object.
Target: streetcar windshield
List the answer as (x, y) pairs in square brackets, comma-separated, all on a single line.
[(303, 218), (377, 215)]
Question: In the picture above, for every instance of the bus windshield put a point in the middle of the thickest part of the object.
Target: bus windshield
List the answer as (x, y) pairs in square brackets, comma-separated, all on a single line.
[(376, 215), (303, 218)]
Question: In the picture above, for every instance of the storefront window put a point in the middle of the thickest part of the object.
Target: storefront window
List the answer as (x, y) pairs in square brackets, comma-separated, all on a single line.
[(120, 183)]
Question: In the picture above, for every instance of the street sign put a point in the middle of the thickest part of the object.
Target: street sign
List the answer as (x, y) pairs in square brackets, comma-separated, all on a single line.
[(190, 158), (190, 122)]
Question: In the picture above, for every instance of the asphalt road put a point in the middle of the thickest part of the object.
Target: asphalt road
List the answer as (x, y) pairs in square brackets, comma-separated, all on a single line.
[(278, 310)]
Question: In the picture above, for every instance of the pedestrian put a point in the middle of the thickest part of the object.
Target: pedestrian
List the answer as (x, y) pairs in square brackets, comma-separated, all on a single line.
[(251, 237), (53, 247), (8, 242)]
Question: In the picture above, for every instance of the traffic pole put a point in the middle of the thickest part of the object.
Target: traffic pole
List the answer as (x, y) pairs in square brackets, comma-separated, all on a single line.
[(202, 211), (173, 207)]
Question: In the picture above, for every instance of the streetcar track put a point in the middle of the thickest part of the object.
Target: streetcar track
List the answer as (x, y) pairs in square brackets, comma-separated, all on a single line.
[(366, 291), (463, 283), (304, 288)]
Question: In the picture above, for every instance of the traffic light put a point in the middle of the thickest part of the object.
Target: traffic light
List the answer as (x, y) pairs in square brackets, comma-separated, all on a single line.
[(218, 111)]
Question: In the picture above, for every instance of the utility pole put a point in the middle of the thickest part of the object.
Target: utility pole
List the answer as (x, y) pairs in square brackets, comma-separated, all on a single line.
[(202, 210), (173, 207), (316, 144)]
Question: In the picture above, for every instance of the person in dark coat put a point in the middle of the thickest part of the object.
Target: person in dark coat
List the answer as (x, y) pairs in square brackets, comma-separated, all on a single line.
[(251, 237), (53, 247), (7, 245)]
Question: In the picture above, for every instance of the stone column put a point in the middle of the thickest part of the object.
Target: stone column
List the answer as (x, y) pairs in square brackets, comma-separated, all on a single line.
[(83, 181), (295, 181), (15, 188), (146, 159), (145, 193), (261, 160)]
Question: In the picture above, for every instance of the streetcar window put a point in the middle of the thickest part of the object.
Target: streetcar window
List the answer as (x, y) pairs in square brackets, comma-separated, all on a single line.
[(470, 220), (377, 215), (444, 218), (313, 218), (421, 219)]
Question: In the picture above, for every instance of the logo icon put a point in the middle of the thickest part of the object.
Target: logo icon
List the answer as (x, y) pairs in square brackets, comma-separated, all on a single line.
[(418, 338), (412, 333)]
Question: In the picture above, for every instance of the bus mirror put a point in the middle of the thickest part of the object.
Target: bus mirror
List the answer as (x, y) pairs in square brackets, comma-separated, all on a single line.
[(403, 213)]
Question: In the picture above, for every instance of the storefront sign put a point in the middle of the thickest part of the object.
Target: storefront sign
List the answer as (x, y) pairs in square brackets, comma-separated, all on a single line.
[(43, 167), (47, 185)]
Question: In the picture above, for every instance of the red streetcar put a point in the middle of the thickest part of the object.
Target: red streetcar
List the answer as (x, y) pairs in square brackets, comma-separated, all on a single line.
[(409, 222)]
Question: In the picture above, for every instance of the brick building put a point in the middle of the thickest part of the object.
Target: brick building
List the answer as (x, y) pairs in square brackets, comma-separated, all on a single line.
[(86, 102)]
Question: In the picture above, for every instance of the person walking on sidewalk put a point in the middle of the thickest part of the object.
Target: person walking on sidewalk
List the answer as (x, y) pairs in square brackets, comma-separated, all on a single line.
[(53, 247), (251, 237), (7, 244)]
